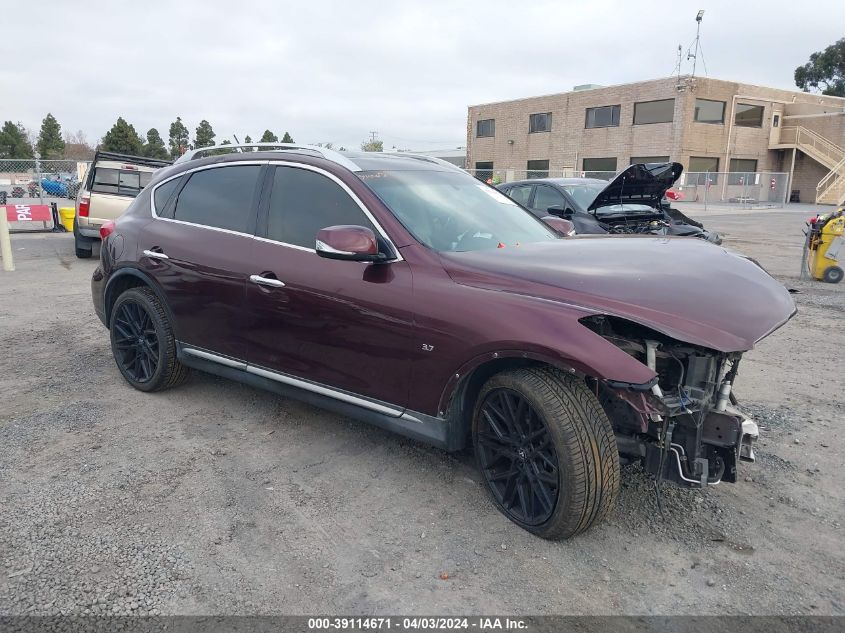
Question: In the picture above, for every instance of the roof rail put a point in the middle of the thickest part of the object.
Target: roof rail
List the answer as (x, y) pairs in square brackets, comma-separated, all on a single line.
[(427, 158), (328, 154)]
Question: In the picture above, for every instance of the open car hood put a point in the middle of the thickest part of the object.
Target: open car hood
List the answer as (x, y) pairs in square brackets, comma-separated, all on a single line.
[(639, 184)]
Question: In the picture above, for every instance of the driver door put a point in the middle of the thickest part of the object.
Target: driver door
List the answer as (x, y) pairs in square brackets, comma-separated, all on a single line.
[(344, 325), (546, 196)]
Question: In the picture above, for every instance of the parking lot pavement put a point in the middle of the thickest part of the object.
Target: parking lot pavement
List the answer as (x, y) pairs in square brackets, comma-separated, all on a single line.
[(218, 498)]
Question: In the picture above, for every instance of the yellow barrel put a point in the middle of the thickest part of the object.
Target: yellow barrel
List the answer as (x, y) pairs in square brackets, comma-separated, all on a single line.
[(66, 215)]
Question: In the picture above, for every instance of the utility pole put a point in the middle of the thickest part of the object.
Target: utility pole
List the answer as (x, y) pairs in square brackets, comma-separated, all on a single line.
[(373, 136)]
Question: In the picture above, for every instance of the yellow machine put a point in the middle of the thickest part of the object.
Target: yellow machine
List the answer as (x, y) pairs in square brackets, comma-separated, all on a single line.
[(827, 241)]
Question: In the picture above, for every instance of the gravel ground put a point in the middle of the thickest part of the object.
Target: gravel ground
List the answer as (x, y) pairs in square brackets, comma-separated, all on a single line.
[(217, 498)]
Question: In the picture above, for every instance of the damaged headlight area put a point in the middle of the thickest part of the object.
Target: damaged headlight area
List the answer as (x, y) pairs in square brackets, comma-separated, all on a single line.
[(686, 427)]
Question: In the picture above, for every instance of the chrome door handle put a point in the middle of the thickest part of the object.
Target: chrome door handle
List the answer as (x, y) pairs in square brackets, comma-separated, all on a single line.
[(266, 281), (155, 255)]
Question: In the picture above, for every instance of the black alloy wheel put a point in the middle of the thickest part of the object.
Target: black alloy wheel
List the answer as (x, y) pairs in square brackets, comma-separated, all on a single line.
[(517, 457), (135, 341)]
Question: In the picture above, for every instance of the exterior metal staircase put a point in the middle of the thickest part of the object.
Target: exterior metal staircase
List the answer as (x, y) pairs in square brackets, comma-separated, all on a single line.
[(831, 188)]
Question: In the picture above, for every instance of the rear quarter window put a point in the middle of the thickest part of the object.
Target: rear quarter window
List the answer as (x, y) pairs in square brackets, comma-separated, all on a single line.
[(164, 198)]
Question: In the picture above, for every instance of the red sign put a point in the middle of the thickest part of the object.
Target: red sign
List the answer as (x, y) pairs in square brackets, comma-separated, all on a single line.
[(28, 212)]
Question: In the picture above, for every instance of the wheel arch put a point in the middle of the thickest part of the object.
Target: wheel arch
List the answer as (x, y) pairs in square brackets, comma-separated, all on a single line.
[(457, 401), (125, 278)]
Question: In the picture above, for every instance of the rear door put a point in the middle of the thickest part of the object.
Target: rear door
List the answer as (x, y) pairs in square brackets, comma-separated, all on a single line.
[(199, 249), (520, 194)]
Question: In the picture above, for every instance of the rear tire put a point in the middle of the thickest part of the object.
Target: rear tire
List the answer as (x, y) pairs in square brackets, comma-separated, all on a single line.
[(142, 342), (833, 275), (553, 468)]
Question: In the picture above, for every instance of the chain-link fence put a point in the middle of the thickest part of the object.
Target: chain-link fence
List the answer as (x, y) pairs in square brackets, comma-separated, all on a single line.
[(739, 189), (40, 181), (747, 190)]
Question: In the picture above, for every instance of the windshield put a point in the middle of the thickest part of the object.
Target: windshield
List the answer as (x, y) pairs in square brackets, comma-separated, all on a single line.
[(450, 211)]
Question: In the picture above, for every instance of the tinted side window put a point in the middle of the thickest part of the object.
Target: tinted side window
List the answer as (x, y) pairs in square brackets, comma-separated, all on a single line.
[(303, 202), (520, 194), (220, 198), (546, 197), (163, 195)]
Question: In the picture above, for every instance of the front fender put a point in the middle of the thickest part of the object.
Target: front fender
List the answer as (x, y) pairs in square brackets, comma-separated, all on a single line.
[(594, 356)]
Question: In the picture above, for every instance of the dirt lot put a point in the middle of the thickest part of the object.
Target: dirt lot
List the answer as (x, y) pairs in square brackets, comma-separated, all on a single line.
[(217, 498)]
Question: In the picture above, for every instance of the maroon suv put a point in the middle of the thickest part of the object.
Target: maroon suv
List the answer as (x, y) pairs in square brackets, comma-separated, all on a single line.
[(399, 290)]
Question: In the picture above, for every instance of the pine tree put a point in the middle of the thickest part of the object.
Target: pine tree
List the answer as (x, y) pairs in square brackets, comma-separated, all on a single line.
[(14, 142), (287, 138), (269, 137), (247, 139), (123, 138), (204, 136), (179, 138), (50, 144), (154, 147)]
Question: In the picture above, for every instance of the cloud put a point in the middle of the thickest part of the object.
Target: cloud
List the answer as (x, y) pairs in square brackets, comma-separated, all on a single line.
[(334, 71)]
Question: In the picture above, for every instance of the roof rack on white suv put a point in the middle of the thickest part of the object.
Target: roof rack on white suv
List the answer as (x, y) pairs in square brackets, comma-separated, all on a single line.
[(328, 154)]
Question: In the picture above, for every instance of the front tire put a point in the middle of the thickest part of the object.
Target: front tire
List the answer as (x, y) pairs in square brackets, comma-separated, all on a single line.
[(546, 450), (142, 342)]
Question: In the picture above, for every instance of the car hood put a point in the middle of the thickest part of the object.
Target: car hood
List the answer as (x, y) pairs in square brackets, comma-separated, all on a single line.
[(639, 184), (685, 288)]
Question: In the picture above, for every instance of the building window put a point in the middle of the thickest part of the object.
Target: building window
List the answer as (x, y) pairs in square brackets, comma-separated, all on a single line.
[(699, 166), (540, 122), (605, 116), (646, 112), (743, 171), (708, 111), (538, 169), (485, 127), (649, 159), (598, 167), (748, 115), (484, 170)]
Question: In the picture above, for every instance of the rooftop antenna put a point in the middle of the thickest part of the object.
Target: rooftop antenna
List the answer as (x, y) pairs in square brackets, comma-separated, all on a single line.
[(694, 55), (678, 65)]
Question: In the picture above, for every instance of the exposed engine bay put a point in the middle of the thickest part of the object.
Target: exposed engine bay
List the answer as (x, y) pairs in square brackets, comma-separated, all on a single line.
[(662, 221), (687, 427)]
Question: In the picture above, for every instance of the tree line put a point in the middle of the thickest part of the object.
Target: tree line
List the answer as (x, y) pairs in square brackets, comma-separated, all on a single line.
[(17, 142)]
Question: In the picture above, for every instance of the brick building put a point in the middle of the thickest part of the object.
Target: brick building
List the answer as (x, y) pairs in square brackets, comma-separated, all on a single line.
[(708, 125)]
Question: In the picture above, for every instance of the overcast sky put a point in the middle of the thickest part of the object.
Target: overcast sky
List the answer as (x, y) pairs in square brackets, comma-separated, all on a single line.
[(335, 71)]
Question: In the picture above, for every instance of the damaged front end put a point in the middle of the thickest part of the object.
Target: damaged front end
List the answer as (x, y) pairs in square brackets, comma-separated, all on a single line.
[(685, 427)]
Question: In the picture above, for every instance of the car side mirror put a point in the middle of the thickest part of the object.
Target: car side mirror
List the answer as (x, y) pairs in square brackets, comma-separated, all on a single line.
[(559, 210), (559, 225), (350, 243)]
